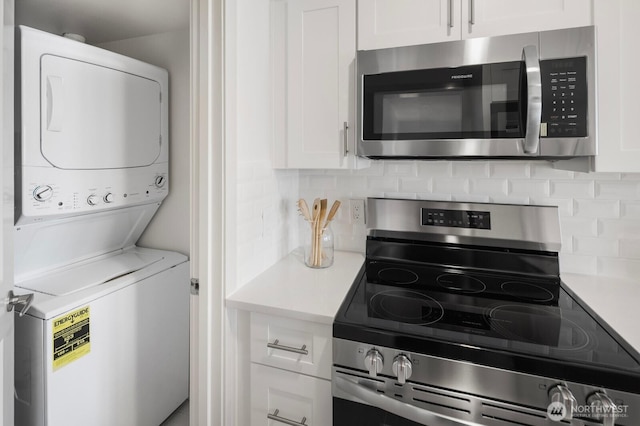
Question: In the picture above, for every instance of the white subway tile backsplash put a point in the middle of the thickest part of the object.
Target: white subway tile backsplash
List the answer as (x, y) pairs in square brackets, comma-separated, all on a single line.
[(497, 187), (630, 209), (464, 169), (435, 169), (597, 208), (619, 228), (400, 168), (422, 185), (578, 226), (578, 264), (544, 170), (595, 246), (381, 183), (529, 188), (450, 186), (322, 182), (572, 189), (510, 169), (617, 190), (630, 248), (599, 212)]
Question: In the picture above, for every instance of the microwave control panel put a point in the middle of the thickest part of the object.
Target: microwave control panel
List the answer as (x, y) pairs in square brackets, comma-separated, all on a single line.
[(564, 98)]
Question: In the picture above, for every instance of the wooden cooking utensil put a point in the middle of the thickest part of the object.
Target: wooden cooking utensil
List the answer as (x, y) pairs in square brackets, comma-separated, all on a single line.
[(332, 213), (303, 208)]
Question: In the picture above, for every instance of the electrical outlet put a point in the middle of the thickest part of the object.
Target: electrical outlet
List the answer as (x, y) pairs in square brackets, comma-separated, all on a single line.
[(356, 208)]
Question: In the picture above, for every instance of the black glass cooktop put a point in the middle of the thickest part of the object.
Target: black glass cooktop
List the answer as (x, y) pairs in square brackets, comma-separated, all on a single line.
[(523, 322)]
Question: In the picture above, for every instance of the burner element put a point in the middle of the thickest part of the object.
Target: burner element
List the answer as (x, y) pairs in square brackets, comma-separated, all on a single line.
[(461, 283), (537, 325), (397, 276), (527, 291), (406, 306)]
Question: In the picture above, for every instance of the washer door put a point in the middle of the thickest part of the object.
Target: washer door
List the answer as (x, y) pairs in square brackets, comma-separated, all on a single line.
[(93, 117)]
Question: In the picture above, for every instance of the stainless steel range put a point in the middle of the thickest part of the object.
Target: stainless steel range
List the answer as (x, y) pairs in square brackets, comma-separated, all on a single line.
[(459, 317)]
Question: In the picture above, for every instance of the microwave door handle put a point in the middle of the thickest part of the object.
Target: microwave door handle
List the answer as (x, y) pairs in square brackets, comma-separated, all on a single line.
[(534, 99)]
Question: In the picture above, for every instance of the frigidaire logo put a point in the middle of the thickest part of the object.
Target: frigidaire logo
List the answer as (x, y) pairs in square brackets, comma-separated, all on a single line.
[(461, 76)]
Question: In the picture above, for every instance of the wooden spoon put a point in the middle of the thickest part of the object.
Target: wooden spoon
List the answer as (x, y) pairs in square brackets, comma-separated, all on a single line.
[(332, 213), (303, 208)]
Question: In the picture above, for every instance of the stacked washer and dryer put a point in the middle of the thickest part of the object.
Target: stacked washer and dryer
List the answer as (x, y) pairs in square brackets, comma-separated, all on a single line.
[(106, 338)]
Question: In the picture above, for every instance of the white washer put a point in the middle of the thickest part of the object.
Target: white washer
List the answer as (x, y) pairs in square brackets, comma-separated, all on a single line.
[(106, 340)]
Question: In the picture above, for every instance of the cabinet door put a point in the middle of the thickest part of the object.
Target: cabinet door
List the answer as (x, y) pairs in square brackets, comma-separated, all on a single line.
[(282, 397), (617, 39), (481, 18), (321, 47), (393, 23)]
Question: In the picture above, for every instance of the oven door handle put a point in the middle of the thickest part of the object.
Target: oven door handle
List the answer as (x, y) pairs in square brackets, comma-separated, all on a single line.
[(534, 100), (390, 405)]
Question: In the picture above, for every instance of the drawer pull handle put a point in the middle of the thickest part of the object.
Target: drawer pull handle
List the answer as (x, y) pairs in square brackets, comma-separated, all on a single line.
[(277, 418), (275, 345)]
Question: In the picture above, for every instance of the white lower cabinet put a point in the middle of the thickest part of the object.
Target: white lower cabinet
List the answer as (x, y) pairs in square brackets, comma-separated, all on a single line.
[(290, 371), (283, 397)]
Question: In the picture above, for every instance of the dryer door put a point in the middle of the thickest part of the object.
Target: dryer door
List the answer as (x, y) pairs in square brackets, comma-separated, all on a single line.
[(93, 117)]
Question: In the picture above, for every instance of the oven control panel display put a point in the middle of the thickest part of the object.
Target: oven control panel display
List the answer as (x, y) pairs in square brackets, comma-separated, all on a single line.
[(456, 218)]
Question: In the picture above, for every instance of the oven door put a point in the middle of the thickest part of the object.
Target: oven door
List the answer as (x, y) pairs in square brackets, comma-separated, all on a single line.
[(360, 401)]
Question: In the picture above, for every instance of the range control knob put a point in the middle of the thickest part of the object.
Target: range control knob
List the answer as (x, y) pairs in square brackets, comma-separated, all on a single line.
[(93, 199), (108, 197), (402, 368), (603, 408), (160, 181), (373, 362), (561, 394), (42, 193)]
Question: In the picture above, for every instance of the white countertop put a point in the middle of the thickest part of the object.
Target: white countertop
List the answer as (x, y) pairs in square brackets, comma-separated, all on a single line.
[(291, 289), (615, 300)]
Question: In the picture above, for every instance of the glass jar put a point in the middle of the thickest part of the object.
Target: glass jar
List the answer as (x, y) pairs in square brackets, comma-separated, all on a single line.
[(318, 248)]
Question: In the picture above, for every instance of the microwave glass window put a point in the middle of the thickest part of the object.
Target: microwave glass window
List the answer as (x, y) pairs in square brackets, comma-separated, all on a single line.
[(480, 101), (418, 112)]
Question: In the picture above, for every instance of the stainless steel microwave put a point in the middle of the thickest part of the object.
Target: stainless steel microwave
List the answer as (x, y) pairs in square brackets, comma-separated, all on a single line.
[(524, 95)]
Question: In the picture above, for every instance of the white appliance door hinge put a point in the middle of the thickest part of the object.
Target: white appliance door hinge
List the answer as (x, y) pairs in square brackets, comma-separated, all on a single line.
[(195, 286)]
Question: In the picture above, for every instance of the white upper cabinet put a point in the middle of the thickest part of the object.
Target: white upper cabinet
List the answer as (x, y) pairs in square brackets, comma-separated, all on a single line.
[(313, 60), (392, 23), (617, 35)]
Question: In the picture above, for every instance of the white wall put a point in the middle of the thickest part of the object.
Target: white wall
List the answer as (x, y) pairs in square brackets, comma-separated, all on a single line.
[(169, 229), (265, 197), (599, 212)]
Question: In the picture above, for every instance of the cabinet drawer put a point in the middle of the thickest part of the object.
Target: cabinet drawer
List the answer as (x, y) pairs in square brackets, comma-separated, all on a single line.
[(300, 346), (294, 396)]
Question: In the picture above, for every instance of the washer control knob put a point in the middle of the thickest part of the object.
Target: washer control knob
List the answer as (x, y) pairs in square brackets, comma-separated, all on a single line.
[(42, 193), (373, 362), (160, 181), (603, 408), (93, 199), (108, 197), (561, 394), (402, 368)]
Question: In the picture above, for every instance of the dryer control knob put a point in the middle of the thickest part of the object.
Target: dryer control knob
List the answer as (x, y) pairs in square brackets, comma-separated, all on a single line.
[(160, 181), (92, 199), (42, 193), (373, 362), (402, 368), (108, 198)]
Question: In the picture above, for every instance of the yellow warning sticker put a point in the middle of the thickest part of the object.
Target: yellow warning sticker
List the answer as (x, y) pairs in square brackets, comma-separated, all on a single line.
[(70, 337)]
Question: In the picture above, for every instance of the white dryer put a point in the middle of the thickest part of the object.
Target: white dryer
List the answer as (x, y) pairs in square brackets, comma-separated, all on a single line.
[(106, 340)]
